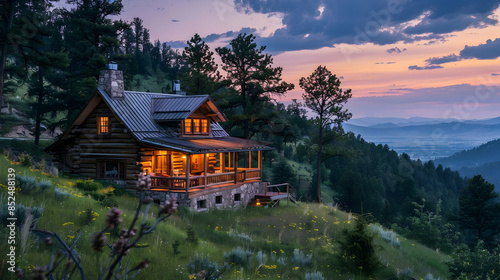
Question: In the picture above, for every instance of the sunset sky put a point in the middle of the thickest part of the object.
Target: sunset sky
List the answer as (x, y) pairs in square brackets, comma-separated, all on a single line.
[(401, 58)]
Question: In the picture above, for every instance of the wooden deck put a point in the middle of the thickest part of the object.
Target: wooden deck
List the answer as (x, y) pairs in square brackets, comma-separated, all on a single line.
[(273, 198)]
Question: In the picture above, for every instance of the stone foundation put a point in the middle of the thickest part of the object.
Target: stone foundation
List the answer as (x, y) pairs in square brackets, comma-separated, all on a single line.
[(226, 198), (204, 200)]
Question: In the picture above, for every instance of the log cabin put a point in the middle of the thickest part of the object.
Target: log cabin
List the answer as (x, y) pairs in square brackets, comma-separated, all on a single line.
[(176, 139)]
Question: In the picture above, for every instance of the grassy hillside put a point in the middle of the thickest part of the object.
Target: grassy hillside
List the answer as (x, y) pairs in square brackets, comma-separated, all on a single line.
[(276, 232)]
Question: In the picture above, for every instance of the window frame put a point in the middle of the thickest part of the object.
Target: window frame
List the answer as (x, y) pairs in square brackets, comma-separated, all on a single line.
[(121, 172), (100, 125), (196, 129), (217, 198)]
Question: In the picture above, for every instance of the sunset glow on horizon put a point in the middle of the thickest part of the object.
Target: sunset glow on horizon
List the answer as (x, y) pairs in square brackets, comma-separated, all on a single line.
[(424, 58)]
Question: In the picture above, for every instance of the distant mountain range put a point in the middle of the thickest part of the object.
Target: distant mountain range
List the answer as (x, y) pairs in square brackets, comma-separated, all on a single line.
[(426, 138)]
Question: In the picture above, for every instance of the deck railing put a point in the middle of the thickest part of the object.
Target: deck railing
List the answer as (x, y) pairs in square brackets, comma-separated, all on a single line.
[(204, 181), (282, 188)]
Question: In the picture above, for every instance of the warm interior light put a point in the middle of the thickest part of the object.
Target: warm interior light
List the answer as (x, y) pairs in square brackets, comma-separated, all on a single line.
[(183, 156)]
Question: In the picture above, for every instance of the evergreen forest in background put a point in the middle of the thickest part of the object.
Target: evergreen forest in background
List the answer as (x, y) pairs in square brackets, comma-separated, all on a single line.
[(50, 62)]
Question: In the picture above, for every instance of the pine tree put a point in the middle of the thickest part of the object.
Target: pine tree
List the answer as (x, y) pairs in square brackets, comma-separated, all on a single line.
[(202, 75), (324, 96), (478, 209), (91, 38), (251, 74)]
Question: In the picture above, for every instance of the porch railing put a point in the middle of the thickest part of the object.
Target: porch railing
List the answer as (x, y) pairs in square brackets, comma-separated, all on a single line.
[(204, 181)]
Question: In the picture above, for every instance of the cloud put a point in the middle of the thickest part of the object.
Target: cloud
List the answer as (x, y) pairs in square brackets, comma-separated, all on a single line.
[(443, 59), (390, 62), (495, 74), (379, 22), (490, 50), (177, 44), (427, 67), (175, 20), (394, 50), (229, 35)]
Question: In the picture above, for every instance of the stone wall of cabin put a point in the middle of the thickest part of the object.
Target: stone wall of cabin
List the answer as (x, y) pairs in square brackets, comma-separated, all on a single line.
[(247, 192), (86, 147)]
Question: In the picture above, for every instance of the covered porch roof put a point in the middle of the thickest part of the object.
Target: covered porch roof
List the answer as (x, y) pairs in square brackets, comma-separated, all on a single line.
[(208, 145)]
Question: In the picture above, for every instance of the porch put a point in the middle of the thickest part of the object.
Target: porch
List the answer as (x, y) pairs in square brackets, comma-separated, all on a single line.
[(172, 170)]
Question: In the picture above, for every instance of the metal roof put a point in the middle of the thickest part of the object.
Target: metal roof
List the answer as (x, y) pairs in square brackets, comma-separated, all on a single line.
[(139, 111), (179, 103), (204, 145)]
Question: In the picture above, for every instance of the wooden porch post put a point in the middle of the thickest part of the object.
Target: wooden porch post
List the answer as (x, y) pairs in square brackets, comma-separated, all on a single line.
[(260, 160), (205, 166), (222, 162), (188, 170), (235, 166), (249, 159)]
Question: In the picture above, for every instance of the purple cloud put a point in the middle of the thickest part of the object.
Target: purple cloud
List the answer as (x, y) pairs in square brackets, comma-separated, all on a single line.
[(428, 67)]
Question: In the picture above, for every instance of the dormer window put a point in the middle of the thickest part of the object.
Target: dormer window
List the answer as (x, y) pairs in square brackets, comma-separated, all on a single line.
[(102, 125), (196, 126)]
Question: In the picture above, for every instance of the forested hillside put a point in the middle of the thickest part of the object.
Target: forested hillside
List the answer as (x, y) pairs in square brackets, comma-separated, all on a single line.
[(484, 160)]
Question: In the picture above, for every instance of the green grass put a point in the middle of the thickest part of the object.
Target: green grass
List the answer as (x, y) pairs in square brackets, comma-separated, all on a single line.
[(312, 228)]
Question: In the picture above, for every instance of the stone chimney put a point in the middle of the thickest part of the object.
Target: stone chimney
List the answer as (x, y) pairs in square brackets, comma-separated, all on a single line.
[(111, 80)]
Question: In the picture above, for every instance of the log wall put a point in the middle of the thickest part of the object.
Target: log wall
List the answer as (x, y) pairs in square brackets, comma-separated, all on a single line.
[(85, 147)]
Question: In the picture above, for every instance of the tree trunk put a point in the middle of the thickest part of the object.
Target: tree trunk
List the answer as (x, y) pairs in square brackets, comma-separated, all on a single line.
[(318, 165), (39, 105), (5, 45)]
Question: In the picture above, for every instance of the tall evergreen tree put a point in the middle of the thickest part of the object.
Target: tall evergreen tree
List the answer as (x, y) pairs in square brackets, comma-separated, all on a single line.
[(324, 96), (251, 74), (202, 74), (91, 37), (478, 209), (45, 55)]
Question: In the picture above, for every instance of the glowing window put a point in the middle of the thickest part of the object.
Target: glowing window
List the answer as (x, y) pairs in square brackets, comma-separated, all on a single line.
[(187, 126), (204, 126), (103, 125), (196, 125)]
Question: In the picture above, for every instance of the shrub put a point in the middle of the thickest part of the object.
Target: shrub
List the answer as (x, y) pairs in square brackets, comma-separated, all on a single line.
[(282, 260), (202, 268), (389, 236), (88, 218), (43, 185), (301, 259), (88, 185), (109, 201), (191, 236), (175, 246), (60, 194), (237, 256), (357, 252), (95, 195), (119, 191), (261, 258), (41, 165), (242, 236), (21, 213), (25, 159), (26, 183), (316, 275), (475, 264)]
